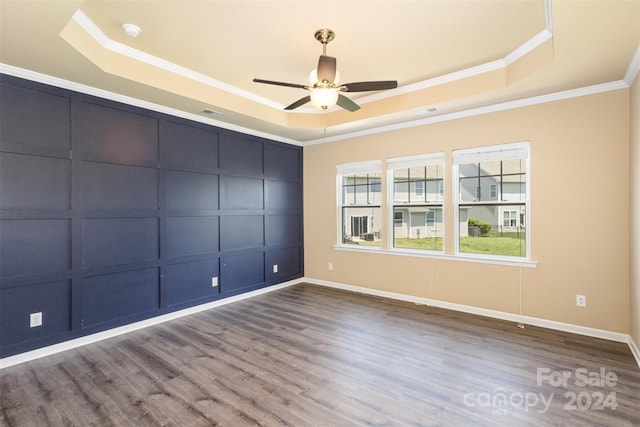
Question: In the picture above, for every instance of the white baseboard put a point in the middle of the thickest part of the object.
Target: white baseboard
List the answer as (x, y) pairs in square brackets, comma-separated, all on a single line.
[(534, 321), (527, 320), (635, 350), (99, 336)]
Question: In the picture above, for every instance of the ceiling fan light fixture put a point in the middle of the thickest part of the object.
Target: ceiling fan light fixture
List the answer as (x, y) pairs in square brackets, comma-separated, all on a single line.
[(324, 98)]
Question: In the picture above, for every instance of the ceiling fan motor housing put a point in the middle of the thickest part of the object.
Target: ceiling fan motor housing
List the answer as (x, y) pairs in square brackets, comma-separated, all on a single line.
[(324, 35)]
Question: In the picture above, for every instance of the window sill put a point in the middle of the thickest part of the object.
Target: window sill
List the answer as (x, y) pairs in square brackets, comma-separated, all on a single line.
[(435, 255)]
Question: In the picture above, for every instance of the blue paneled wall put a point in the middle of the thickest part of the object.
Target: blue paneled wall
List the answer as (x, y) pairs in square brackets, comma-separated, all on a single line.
[(110, 214)]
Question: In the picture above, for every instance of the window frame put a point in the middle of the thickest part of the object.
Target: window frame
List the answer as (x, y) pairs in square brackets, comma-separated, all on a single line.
[(407, 162), (518, 150)]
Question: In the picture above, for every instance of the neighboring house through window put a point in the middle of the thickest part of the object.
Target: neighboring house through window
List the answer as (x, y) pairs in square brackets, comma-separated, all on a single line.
[(359, 203), (491, 193), (509, 218), (416, 200)]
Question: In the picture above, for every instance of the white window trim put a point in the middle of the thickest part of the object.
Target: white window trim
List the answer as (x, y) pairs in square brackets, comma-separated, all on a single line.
[(398, 162), (415, 253), (372, 166), (411, 161), (359, 167), (394, 163), (518, 150)]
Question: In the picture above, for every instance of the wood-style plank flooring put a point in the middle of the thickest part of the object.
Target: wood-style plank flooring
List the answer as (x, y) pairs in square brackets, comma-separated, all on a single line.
[(313, 356)]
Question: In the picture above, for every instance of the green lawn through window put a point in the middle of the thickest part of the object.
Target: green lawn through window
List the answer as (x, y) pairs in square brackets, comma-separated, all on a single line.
[(507, 244), (427, 243)]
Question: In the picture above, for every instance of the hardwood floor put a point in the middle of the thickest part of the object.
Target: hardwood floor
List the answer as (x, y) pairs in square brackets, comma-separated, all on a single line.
[(314, 356)]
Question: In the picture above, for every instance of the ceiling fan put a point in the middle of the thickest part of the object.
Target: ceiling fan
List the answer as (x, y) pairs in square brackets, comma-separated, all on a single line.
[(324, 82)]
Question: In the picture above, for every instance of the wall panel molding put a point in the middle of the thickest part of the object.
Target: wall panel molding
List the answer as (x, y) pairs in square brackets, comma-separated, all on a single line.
[(112, 214)]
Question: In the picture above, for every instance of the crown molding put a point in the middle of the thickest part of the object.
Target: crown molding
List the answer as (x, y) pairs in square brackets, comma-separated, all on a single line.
[(106, 43), (103, 40), (634, 68), (100, 93), (112, 96), (542, 99), (77, 87)]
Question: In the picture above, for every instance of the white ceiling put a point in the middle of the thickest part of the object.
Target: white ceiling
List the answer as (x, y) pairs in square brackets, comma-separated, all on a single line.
[(191, 55)]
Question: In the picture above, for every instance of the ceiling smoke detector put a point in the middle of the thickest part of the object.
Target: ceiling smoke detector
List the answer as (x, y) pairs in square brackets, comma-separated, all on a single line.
[(132, 30)]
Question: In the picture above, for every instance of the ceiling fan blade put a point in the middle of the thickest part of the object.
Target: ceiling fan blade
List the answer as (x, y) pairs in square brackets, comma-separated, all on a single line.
[(326, 69), (368, 86), (347, 103), (298, 103), (271, 82)]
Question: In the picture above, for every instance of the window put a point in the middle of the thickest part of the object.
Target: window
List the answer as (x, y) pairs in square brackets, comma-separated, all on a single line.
[(417, 198), (398, 218), (509, 219), (359, 203), (359, 225), (492, 200), (418, 188), (431, 218)]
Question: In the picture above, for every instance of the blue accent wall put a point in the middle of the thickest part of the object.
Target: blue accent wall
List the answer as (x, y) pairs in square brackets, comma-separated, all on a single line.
[(111, 214)]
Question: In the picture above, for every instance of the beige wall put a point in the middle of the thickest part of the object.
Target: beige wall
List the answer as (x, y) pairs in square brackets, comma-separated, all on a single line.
[(580, 214), (635, 211)]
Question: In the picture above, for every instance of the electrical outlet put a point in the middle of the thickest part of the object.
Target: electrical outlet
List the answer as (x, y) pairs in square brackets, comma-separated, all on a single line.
[(330, 266), (214, 282), (35, 319), (275, 268), (581, 300)]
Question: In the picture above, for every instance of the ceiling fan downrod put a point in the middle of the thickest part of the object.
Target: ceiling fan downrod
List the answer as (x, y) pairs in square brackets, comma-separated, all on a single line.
[(324, 36)]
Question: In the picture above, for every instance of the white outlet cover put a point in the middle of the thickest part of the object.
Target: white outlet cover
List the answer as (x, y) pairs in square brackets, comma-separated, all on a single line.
[(275, 268), (35, 319), (214, 282)]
